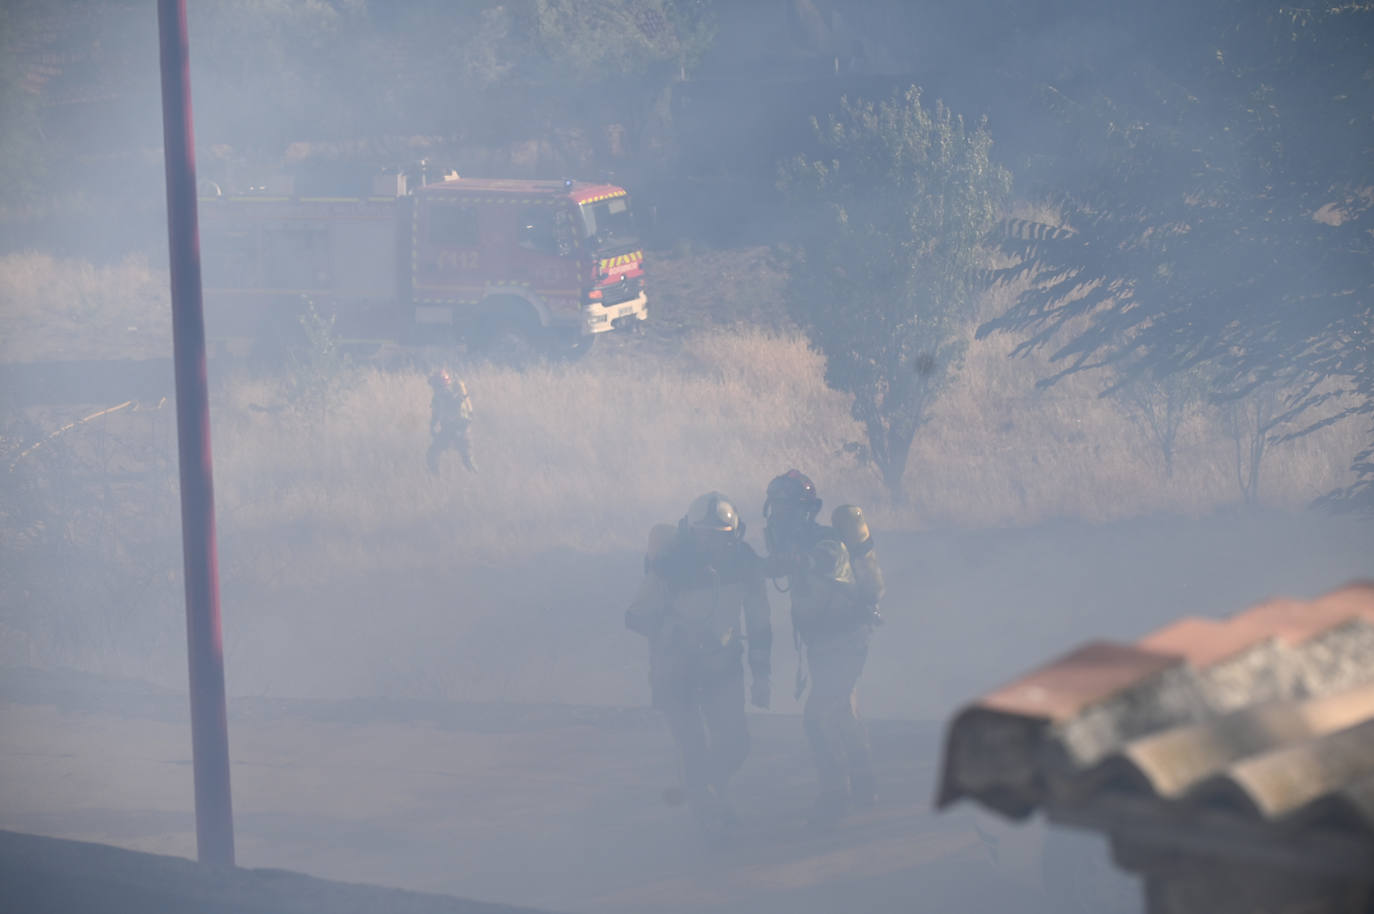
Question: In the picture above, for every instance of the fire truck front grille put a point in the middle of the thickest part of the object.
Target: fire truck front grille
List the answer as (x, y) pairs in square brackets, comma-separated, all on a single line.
[(624, 290)]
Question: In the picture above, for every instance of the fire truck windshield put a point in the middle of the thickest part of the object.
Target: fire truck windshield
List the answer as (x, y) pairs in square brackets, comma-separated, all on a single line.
[(609, 223)]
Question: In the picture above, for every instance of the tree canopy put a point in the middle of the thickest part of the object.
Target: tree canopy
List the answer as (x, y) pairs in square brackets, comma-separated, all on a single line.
[(1225, 219), (893, 208)]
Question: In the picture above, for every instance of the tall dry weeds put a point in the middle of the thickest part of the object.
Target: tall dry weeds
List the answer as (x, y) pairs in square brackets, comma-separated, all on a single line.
[(63, 308), (587, 455), (334, 497)]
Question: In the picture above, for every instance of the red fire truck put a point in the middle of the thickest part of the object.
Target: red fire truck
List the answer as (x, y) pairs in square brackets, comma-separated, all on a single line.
[(494, 263)]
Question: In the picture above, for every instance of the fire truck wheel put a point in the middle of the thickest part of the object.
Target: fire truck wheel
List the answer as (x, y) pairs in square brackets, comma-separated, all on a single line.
[(507, 343)]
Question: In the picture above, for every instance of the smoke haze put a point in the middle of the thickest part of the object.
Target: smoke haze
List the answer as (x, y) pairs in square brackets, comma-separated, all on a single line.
[(431, 685)]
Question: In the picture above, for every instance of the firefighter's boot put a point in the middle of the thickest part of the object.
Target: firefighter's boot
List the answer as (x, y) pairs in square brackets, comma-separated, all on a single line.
[(713, 813)]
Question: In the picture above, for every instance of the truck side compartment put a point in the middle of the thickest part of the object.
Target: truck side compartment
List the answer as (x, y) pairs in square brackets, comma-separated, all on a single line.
[(448, 261)]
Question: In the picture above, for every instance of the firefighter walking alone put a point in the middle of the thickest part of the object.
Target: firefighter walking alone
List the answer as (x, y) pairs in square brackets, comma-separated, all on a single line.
[(450, 420)]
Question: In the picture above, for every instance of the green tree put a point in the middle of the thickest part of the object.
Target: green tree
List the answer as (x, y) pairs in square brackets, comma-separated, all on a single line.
[(894, 207), (1225, 222), (615, 61), (319, 372), (592, 40)]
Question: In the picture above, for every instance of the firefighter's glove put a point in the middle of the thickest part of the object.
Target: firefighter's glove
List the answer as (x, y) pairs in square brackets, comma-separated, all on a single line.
[(761, 694), (869, 614)]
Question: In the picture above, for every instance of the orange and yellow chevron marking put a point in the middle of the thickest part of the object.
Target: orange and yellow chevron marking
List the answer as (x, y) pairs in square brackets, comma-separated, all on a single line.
[(608, 263), (599, 197)]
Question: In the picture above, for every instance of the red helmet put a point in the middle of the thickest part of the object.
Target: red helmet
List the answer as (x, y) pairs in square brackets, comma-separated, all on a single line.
[(795, 488)]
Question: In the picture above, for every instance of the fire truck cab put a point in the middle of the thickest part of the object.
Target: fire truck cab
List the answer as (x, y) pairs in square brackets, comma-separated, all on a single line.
[(485, 261)]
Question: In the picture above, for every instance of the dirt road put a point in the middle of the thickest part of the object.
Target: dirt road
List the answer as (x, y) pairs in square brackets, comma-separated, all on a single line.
[(552, 800), (549, 806)]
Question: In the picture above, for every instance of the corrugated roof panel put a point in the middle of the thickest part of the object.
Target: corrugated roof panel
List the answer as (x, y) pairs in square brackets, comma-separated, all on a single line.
[(1089, 674), (1349, 809), (990, 756), (1202, 642), (1168, 764), (992, 748), (1170, 698), (1265, 671), (1282, 782), (1293, 620), (1206, 642), (1266, 716), (1355, 598), (1336, 659)]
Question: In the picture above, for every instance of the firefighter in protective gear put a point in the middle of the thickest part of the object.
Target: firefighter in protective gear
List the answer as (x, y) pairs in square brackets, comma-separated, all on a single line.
[(835, 585), (702, 600), (450, 418)]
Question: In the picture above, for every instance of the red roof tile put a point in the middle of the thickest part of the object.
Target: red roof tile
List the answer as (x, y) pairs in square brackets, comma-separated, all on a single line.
[(1303, 760), (1292, 620), (1082, 677), (1202, 642)]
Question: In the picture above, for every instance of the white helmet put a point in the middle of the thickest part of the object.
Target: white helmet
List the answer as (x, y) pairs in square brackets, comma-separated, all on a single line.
[(715, 512)]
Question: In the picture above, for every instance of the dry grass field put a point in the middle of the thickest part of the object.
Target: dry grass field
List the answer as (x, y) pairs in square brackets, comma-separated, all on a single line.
[(329, 498), (587, 455), (55, 308), (389, 635), (624, 437)]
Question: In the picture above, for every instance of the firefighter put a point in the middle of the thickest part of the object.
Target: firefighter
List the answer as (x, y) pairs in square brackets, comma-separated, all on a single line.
[(450, 417), (835, 584), (699, 580)]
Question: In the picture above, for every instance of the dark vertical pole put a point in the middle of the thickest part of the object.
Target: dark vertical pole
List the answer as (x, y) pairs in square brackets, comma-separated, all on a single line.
[(205, 648)]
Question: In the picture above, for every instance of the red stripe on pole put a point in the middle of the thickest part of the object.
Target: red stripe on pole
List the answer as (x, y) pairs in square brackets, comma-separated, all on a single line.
[(204, 647)]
